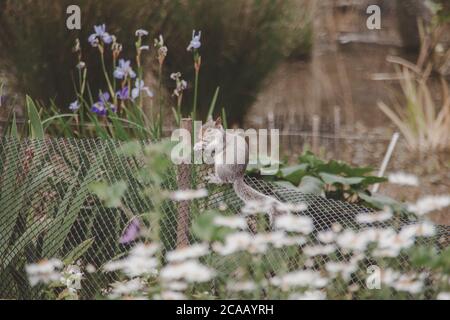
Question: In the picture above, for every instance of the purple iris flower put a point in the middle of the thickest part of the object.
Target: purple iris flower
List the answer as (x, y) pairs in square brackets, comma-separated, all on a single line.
[(138, 87), (131, 232), (123, 94), (100, 33), (101, 106), (124, 70), (195, 42), (74, 106)]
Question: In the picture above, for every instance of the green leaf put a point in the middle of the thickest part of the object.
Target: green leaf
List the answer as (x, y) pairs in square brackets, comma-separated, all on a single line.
[(78, 251), (29, 235), (13, 132), (224, 119), (295, 173), (36, 129), (110, 194), (310, 184), (309, 158), (203, 228), (380, 201), (333, 179), (213, 103)]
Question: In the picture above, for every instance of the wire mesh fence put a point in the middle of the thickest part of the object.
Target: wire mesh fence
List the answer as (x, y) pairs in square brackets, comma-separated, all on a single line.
[(47, 210)]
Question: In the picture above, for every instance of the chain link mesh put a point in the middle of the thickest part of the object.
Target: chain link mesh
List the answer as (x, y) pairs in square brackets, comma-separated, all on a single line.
[(47, 211)]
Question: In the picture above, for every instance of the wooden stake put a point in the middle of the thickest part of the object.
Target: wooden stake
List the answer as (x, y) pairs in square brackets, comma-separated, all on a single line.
[(183, 181), (337, 131), (315, 134)]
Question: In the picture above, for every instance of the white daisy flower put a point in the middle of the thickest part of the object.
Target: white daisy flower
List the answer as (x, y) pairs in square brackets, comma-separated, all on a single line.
[(289, 207), (429, 203), (341, 268), (126, 288), (172, 295), (235, 242), (403, 179), (327, 236), (294, 223), (423, 229), (231, 222), (45, 271), (140, 261), (191, 252), (317, 250), (185, 195), (190, 271), (373, 217), (242, 286), (301, 278), (309, 295)]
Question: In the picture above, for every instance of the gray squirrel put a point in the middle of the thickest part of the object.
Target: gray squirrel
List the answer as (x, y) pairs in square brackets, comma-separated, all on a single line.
[(212, 137)]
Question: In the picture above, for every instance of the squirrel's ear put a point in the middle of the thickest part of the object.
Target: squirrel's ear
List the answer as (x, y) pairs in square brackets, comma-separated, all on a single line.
[(218, 122)]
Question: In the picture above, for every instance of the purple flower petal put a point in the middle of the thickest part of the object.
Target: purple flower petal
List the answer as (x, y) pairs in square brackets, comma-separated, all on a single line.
[(131, 232)]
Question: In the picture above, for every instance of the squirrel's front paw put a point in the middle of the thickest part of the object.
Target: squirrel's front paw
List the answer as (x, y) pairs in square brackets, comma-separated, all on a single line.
[(213, 179)]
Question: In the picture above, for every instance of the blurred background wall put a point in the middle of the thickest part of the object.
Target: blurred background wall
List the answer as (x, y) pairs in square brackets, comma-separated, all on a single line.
[(290, 58)]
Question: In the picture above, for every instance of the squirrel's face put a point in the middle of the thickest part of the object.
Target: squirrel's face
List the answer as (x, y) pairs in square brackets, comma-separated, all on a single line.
[(211, 132)]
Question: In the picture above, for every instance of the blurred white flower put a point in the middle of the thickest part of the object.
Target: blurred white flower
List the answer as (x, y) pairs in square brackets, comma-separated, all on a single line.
[(309, 295), (422, 229), (389, 276), (317, 250), (391, 243), (443, 296), (429, 203), (184, 195), (408, 283), (191, 252), (373, 217), (235, 242), (235, 222), (403, 179), (242, 286), (190, 271), (176, 286), (350, 240), (90, 268), (301, 278), (327, 236), (253, 207), (288, 207), (45, 271), (172, 295), (341, 268), (140, 261), (279, 239), (294, 223), (125, 288)]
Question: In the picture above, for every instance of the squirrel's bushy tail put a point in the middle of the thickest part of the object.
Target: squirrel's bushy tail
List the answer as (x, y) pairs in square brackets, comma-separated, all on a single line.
[(247, 194)]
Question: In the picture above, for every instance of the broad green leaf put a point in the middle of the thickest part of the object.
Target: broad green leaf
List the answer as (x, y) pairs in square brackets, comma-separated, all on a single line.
[(78, 251), (213, 103), (380, 201), (36, 129), (310, 184), (29, 235), (295, 173), (332, 179), (13, 132)]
